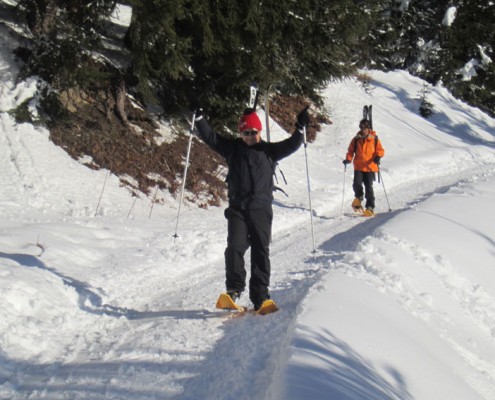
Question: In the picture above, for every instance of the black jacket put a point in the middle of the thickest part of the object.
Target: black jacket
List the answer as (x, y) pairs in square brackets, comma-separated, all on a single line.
[(251, 168)]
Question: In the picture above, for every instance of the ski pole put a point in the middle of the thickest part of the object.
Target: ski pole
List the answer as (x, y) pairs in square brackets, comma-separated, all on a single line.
[(343, 193), (185, 172), (309, 189), (383, 184), (267, 112), (102, 190)]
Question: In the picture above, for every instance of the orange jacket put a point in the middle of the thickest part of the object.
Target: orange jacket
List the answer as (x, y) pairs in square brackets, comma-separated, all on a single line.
[(366, 149)]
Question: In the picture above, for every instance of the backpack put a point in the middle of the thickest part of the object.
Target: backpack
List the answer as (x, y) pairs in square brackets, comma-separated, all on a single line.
[(355, 143)]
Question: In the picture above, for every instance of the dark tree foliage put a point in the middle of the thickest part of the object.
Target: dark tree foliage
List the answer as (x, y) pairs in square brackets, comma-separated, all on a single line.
[(426, 109), (413, 36), (63, 30), (160, 51), (401, 34), (213, 49), (471, 41)]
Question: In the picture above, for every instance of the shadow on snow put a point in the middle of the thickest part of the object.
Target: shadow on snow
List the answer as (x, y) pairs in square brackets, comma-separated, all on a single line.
[(91, 302), (337, 371), (89, 380)]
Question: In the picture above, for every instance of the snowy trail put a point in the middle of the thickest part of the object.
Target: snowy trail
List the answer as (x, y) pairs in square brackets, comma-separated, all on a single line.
[(175, 339), (106, 307), (184, 336), (264, 343), (296, 279)]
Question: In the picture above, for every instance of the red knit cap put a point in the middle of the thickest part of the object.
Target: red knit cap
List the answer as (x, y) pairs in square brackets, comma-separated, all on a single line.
[(250, 121)]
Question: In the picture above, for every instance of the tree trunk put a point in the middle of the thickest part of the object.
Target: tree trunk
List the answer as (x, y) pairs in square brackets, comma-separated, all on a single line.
[(41, 16), (119, 94)]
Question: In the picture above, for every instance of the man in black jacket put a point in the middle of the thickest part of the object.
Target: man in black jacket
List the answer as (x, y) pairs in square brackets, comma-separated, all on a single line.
[(251, 163)]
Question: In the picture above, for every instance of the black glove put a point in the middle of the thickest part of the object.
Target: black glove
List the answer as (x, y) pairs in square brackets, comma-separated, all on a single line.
[(345, 162), (303, 118), (377, 160)]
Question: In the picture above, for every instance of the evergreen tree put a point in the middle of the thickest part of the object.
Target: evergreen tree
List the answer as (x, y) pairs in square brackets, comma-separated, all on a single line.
[(375, 35), (324, 37), (160, 50), (214, 49), (425, 107), (63, 30), (469, 45), (414, 36), (406, 34)]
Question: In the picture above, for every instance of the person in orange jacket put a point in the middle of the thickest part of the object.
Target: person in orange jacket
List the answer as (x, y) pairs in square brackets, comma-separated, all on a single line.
[(366, 150)]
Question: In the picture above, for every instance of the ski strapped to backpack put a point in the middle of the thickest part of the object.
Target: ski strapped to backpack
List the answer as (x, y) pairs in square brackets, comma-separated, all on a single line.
[(368, 116), (253, 96)]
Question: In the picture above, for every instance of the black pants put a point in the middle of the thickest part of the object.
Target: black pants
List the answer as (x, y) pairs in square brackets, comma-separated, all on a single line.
[(367, 179), (249, 228)]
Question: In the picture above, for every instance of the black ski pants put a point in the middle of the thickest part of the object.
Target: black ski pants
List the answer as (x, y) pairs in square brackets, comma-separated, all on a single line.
[(249, 228), (364, 178)]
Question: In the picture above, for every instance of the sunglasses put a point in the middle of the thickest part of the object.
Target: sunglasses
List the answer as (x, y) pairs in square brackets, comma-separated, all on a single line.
[(249, 133), (363, 126)]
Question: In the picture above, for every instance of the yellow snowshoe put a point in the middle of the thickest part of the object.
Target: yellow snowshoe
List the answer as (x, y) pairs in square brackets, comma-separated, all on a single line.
[(267, 307), (225, 302), (357, 206), (369, 212)]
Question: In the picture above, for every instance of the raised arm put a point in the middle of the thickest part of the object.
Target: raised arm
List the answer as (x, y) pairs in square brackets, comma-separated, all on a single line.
[(218, 143)]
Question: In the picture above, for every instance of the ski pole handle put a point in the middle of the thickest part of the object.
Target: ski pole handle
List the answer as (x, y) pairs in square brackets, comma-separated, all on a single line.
[(193, 122), (305, 139)]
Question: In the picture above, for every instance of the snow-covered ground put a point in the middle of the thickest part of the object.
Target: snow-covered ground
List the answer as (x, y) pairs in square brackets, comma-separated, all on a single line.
[(105, 304)]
